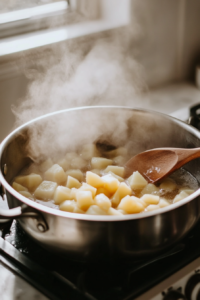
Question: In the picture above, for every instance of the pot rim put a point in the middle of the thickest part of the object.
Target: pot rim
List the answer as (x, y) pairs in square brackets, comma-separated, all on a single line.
[(107, 218)]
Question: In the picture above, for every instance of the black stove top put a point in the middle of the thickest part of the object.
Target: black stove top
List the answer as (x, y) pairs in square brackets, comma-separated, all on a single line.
[(62, 279)]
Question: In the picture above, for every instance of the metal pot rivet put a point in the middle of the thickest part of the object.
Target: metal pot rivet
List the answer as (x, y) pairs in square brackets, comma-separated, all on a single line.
[(41, 227), (5, 169)]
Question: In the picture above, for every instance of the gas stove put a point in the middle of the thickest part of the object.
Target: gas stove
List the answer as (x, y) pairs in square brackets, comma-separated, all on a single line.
[(174, 274)]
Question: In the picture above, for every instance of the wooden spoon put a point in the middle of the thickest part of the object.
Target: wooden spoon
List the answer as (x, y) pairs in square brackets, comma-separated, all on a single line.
[(155, 164)]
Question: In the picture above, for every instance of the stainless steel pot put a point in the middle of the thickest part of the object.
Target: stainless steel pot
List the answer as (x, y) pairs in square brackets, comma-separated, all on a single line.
[(88, 237)]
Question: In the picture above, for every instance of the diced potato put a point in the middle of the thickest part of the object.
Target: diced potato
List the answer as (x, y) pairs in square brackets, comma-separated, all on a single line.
[(110, 183), (119, 160), (75, 173), (88, 187), (131, 205), (84, 199), (18, 187), (26, 194), (68, 205), (45, 190), (88, 151), (100, 162), (143, 203), (122, 191), (95, 210), (180, 196), (116, 170), (56, 174), (77, 210), (64, 164), (163, 203), (121, 151), (96, 171), (150, 188), (114, 212), (31, 181), (168, 184), (94, 180), (150, 199), (102, 201), (78, 163), (116, 176), (137, 181), (45, 165), (73, 183), (187, 190), (61, 194), (152, 207), (102, 190)]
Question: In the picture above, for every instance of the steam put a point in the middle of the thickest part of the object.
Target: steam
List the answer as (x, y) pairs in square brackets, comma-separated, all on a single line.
[(104, 74)]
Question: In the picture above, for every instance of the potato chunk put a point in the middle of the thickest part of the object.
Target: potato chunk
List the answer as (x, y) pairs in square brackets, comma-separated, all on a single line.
[(114, 212), (168, 184), (31, 181), (93, 179), (45, 190), (95, 210), (119, 160), (121, 151), (88, 151), (61, 194), (88, 187), (45, 165), (75, 173), (102, 190), (131, 205), (68, 205), (26, 194), (64, 164), (73, 183), (163, 203), (152, 207), (116, 170), (56, 174), (18, 187), (84, 199), (102, 201), (78, 163), (150, 199), (100, 162), (137, 181), (150, 188), (180, 196), (122, 191), (116, 176), (73, 193), (110, 183)]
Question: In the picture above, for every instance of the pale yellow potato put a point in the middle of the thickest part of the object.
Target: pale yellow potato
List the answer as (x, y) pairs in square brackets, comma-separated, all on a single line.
[(180, 196), (102, 190), (77, 210), (116, 176), (18, 187), (152, 207), (119, 171), (150, 188), (73, 193), (31, 182), (68, 205), (114, 212), (61, 194), (78, 163), (137, 181), (187, 190), (163, 203), (56, 174), (119, 160), (64, 163), (96, 171), (45, 191), (143, 203), (73, 183), (94, 179), (88, 187), (131, 205), (84, 199), (121, 151), (100, 162), (26, 194), (150, 199), (168, 184), (102, 201), (75, 173), (95, 210), (111, 184), (122, 191), (45, 165), (88, 151)]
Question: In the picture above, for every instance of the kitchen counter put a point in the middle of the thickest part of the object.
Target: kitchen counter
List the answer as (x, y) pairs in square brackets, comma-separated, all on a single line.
[(166, 100)]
